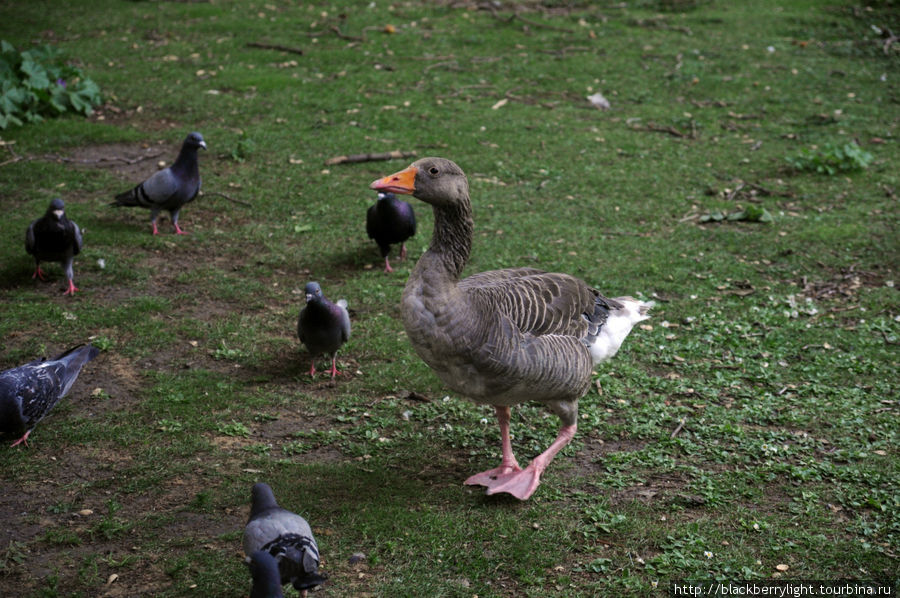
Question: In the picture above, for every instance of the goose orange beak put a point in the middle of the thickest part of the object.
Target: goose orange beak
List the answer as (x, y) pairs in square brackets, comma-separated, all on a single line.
[(403, 182)]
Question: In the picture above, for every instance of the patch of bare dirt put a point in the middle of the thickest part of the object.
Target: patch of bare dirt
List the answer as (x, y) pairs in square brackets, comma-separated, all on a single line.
[(843, 285)]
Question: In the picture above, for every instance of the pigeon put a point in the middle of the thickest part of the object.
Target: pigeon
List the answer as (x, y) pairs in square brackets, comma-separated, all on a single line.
[(323, 326), (170, 188), (284, 535), (266, 578), (389, 221), (54, 238), (29, 392)]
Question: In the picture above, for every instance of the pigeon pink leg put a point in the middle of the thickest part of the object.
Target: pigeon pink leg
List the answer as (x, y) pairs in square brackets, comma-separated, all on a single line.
[(312, 369), (508, 465), (402, 251), (38, 273), (178, 230), (334, 372), (387, 266), (23, 439), (155, 230), (524, 483), (71, 290)]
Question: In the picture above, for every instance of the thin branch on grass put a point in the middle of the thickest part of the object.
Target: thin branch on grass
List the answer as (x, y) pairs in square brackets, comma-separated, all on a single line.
[(278, 47), (679, 427), (450, 65), (15, 157), (141, 158), (231, 199), (351, 38), (655, 128), (355, 158), (516, 16)]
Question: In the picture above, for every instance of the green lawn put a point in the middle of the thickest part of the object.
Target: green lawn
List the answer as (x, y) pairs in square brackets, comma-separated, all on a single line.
[(747, 431)]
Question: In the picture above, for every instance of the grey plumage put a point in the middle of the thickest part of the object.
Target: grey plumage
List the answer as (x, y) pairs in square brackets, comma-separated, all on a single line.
[(54, 238), (507, 336), (30, 391), (286, 536), (266, 578), (390, 221), (170, 188), (323, 327)]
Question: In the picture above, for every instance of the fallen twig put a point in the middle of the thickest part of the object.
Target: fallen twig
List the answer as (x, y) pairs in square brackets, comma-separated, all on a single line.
[(668, 129), (351, 38), (678, 428), (517, 16), (141, 158), (279, 47), (237, 201), (355, 158)]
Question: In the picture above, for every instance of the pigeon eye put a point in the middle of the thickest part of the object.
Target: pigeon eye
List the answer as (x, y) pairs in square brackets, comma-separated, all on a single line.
[(433, 170)]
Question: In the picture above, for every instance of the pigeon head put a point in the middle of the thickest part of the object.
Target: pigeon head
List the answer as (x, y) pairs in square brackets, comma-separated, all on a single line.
[(195, 140), (261, 498), (57, 209), (386, 195), (313, 292)]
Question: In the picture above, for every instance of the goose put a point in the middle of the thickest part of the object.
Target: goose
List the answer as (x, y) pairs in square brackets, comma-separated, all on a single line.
[(389, 221), (502, 337), (54, 238)]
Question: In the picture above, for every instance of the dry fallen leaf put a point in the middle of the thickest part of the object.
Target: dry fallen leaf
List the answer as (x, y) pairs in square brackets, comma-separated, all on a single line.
[(500, 104), (782, 567)]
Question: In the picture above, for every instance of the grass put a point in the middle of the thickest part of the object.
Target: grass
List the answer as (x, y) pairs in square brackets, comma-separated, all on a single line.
[(750, 425)]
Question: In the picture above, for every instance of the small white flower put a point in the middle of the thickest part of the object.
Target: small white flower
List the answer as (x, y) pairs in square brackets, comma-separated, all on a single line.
[(707, 554), (756, 526)]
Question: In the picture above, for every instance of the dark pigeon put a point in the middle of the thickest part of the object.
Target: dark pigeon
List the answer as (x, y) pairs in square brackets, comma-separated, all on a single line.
[(54, 238), (286, 536), (29, 392), (323, 326), (266, 578), (170, 188), (390, 221)]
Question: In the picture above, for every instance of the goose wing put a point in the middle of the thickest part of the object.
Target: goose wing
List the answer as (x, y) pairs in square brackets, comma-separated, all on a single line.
[(537, 302)]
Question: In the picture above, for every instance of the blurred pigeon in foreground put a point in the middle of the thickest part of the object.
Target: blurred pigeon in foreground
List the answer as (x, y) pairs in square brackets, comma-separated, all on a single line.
[(54, 238), (29, 392), (170, 188), (390, 221), (323, 326), (266, 578), (286, 536)]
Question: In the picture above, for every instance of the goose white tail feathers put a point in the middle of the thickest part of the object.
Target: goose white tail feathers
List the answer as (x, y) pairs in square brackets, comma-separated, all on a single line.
[(617, 326)]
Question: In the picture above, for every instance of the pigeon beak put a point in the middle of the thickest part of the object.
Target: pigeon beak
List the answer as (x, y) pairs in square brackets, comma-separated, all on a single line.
[(203, 144), (309, 297), (403, 182), (59, 213)]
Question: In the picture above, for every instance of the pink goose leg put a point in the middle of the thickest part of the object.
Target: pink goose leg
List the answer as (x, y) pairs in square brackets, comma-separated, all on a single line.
[(509, 478)]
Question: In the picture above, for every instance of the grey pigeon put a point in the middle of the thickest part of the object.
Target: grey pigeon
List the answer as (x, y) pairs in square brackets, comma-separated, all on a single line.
[(170, 188), (323, 326), (30, 391), (390, 221), (266, 578), (54, 238), (286, 536)]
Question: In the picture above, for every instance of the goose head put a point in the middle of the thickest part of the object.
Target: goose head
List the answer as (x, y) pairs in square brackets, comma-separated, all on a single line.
[(437, 181)]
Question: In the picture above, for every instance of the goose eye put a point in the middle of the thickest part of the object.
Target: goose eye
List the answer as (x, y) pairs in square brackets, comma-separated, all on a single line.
[(433, 170)]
